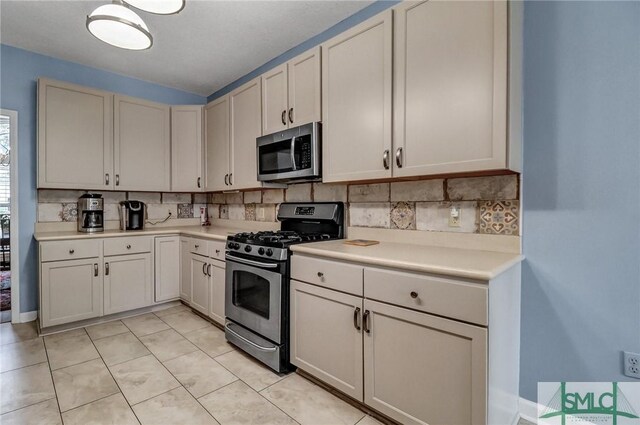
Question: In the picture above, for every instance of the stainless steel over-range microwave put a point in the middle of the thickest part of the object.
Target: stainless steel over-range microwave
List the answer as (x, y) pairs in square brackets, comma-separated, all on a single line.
[(292, 154)]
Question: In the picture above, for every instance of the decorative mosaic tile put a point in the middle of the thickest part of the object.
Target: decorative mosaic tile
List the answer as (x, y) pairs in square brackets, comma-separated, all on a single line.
[(69, 212), (224, 212), (186, 211), (500, 217), (250, 212), (403, 215)]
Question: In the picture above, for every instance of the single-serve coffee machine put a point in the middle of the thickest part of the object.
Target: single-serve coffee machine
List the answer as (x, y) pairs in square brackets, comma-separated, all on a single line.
[(90, 213), (132, 215)]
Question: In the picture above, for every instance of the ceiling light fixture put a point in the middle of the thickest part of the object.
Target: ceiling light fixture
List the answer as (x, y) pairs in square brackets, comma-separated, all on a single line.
[(159, 7), (119, 26)]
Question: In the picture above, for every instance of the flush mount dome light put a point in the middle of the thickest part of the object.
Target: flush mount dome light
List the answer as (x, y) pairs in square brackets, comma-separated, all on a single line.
[(159, 7), (119, 26)]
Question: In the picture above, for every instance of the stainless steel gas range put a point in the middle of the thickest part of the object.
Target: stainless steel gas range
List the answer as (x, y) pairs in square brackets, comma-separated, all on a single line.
[(257, 279)]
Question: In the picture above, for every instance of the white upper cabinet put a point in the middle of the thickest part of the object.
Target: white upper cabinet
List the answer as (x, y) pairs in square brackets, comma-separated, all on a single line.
[(356, 101), (142, 145), (291, 93), (246, 127), (450, 87), (274, 100), (186, 149), (217, 139), (75, 137)]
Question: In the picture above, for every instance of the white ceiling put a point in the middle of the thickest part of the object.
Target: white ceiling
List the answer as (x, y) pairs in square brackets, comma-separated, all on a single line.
[(202, 49)]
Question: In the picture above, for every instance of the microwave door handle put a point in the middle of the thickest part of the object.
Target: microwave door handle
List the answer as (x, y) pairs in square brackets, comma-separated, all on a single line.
[(293, 153)]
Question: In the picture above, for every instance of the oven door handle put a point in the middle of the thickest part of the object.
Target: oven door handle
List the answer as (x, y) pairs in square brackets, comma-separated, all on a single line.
[(293, 153), (251, 343), (250, 262)]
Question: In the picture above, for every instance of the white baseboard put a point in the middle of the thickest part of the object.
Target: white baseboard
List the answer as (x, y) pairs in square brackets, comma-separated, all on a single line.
[(28, 316), (528, 410)]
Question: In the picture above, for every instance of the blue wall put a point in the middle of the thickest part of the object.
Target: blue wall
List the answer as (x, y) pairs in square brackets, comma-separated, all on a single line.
[(581, 191), (19, 71), (356, 18)]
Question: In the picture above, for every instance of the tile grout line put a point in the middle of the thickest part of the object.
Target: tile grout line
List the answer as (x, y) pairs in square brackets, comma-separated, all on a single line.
[(53, 383)]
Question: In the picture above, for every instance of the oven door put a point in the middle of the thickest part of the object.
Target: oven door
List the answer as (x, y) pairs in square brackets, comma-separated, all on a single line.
[(253, 296)]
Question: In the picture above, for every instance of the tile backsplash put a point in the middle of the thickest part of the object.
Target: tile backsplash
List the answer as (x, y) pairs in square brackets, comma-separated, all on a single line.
[(488, 205)]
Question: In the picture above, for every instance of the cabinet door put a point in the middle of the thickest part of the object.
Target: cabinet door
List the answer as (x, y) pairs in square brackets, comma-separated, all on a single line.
[(216, 120), (217, 282), (185, 270), (142, 145), (450, 77), (70, 290), (167, 259), (326, 336), (304, 88), (75, 137), (199, 283), (128, 282), (246, 126), (423, 369), (356, 102), (186, 149), (274, 100)]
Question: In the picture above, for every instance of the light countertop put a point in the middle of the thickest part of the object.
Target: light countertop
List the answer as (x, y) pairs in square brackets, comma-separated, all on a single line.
[(208, 232), (464, 263)]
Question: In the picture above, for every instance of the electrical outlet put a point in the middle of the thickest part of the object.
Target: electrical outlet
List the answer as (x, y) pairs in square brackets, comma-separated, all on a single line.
[(632, 364), (454, 216)]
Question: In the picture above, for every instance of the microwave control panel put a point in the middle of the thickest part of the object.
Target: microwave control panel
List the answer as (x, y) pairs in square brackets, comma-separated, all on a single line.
[(304, 144)]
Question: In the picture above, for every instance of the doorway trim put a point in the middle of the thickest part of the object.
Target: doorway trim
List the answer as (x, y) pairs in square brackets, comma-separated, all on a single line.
[(13, 211)]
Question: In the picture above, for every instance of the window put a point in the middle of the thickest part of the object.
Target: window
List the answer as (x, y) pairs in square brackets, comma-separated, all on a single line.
[(5, 160)]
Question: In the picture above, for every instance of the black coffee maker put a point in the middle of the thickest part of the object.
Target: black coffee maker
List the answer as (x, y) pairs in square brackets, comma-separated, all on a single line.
[(132, 215)]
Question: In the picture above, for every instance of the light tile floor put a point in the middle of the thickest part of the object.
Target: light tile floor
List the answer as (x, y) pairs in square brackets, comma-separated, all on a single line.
[(169, 367)]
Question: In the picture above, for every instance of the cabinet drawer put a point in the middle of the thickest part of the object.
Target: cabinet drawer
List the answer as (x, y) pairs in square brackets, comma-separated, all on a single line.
[(330, 274), (199, 246), (129, 245), (69, 250), (216, 250), (444, 297)]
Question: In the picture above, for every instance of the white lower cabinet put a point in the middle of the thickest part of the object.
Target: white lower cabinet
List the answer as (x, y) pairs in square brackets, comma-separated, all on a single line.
[(128, 282), (199, 283), (167, 268), (216, 273), (326, 336), (424, 369), (70, 290)]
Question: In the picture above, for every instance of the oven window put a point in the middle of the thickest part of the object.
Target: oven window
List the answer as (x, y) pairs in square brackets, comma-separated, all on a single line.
[(251, 292), (276, 157)]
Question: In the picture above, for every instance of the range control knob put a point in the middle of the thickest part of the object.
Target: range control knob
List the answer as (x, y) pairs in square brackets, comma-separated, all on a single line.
[(269, 252), (247, 248), (261, 251)]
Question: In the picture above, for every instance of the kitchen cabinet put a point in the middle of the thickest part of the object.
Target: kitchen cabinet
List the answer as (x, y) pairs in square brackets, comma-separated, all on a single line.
[(450, 87), (185, 271), (128, 282), (142, 145), (199, 283), (246, 125), (326, 336), (422, 369), (216, 272), (167, 268), (217, 148), (356, 102), (186, 149), (75, 137), (70, 290), (291, 93)]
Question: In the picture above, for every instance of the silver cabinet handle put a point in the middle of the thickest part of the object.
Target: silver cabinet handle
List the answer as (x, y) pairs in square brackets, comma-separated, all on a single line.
[(356, 317), (106, 269), (209, 270), (197, 246), (204, 269), (365, 321), (414, 294), (253, 344), (217, 251), (198, 182), (226, 179), (71, 251), (283, 117), (231, 179), (399, 157), (385, 159), (291, 115), (117, 179), (128, 246), (95, 269), (321, 275), (106, 179)]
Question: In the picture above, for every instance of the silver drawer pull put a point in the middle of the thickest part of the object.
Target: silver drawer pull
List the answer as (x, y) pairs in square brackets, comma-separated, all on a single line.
[(71, 251), (414, 294), (217, 251), (321, 275), (197, 246), (128, 246)]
